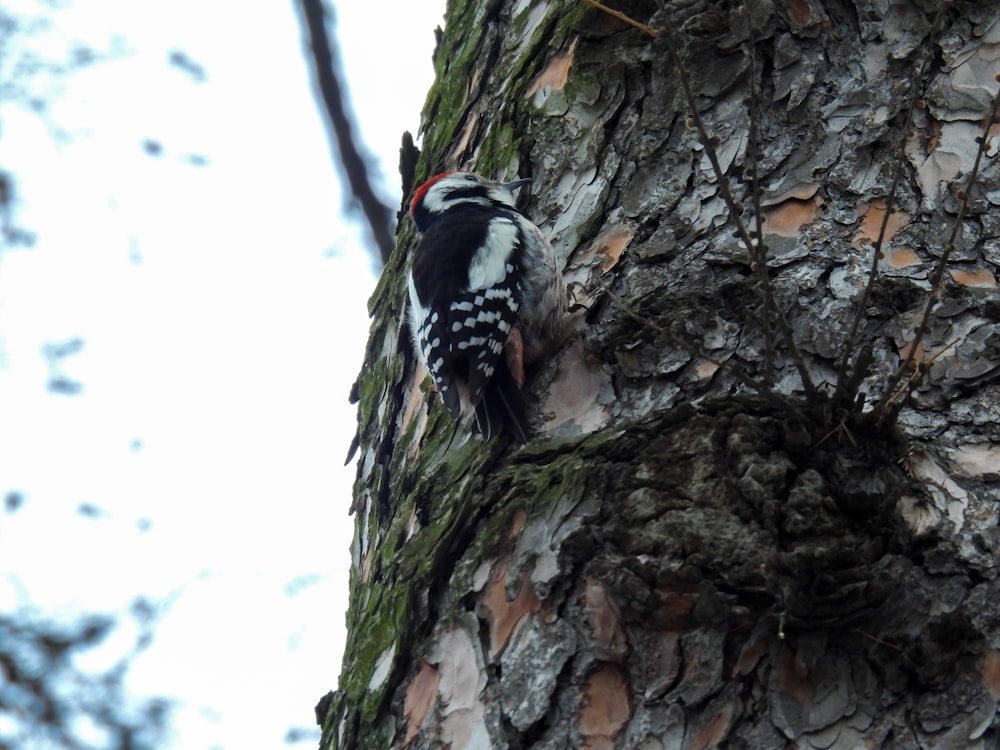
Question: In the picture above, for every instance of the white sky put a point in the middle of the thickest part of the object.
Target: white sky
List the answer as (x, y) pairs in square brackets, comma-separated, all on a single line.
[(223, 309)]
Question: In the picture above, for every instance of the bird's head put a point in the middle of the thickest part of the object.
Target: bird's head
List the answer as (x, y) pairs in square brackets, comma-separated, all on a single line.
[(450, 189)]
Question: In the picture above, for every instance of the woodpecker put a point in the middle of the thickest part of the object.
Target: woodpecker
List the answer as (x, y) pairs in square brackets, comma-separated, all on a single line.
[(486, 297)]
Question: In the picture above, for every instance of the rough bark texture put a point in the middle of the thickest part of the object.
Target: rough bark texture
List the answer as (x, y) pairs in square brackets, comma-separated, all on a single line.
[(688, 555)]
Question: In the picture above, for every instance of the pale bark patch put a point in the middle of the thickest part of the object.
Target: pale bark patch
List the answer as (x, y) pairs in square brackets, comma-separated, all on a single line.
[(948, 501), (919, 356), (954, 154), (420, 696), (976, 460), (789, 218), (974, 69), (460, 689), (983, 279), (415, 399), (573, 402), (505, 615), (801, 192), (609, 640), (460, 682), (520, 518), (464, 137), (466, 730), (902, 257), (554, 77), (918, 515), (871, 222), (382, 667), (705, 370), (604, 708), (610, 244)]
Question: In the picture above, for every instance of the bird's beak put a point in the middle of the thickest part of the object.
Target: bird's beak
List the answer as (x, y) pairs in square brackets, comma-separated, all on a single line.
[(516, 183)]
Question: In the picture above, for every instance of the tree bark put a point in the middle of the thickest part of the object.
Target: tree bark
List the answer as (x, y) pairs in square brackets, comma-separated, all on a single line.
[(725, 531)]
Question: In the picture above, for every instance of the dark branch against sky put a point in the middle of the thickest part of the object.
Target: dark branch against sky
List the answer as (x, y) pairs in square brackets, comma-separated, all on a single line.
[(318, 18)]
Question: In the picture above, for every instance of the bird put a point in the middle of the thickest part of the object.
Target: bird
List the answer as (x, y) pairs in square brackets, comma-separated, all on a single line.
[(486, 295)]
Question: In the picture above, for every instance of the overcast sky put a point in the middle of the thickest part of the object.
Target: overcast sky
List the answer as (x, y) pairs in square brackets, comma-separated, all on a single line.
[(220, 295)]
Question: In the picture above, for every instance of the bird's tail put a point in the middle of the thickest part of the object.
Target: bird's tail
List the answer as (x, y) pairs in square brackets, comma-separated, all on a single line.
[(502, 406)]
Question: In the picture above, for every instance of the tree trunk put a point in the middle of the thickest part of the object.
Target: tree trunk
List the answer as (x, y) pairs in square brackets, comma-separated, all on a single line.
[(735, 525)]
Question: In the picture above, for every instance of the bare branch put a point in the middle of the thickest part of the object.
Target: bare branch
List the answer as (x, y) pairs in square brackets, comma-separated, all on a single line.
[(937, 279), (770, 305), (622, 17), (850, 340), (755, 152), (756, 250), (377, 215)]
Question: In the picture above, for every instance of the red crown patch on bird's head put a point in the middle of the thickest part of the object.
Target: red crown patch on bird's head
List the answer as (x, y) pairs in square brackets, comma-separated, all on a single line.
[(420, 192)]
